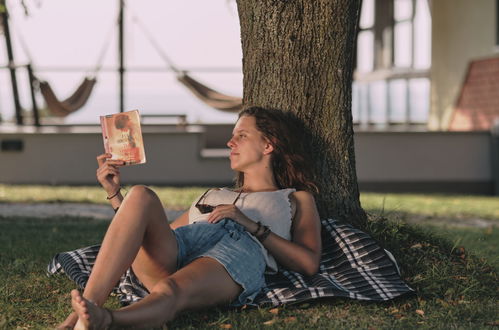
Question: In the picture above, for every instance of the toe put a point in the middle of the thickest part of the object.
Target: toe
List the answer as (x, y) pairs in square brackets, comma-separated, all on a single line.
[(75, 294)]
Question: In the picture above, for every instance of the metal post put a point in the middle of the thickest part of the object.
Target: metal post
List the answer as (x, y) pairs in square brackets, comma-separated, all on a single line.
[(121, 55), (32, 81), (12, 68)]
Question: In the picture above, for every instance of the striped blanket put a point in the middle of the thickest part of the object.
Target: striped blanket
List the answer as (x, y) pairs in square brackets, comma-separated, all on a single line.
[(352, 265)]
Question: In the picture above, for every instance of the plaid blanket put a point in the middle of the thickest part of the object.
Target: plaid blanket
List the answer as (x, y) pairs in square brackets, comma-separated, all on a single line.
[(352, 265)]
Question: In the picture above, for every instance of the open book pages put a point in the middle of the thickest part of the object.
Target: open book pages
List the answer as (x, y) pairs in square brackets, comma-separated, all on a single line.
[(123, 137)]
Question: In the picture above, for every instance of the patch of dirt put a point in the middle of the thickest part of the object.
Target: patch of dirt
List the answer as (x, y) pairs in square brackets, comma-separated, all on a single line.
[(104, 212), (51, 210), (454, 222)]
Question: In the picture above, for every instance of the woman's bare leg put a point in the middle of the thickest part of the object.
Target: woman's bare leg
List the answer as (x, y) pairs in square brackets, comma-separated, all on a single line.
[(139, 235), (202, 283)]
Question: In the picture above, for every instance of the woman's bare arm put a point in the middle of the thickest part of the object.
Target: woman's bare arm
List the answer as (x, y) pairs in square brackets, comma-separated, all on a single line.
[(303, 253)]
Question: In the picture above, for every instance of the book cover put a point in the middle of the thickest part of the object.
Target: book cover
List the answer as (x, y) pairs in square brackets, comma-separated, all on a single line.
[(122, 137)]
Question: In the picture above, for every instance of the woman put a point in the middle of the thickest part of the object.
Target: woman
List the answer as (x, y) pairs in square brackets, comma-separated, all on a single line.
[(217, 252)]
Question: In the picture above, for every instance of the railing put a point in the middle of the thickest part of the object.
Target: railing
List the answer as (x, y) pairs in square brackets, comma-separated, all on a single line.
[(388, 97)]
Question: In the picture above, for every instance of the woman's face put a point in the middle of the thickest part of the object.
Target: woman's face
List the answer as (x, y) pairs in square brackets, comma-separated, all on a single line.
[(248, 146)]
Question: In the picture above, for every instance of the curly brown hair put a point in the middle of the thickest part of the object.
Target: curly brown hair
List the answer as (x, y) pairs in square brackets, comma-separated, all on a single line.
[(289, 162)]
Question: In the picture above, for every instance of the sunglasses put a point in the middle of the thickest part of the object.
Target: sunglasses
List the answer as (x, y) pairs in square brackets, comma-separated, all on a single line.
[(207, 208)]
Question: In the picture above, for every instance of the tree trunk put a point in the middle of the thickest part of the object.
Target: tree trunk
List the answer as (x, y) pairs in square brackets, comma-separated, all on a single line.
[(298, 56)]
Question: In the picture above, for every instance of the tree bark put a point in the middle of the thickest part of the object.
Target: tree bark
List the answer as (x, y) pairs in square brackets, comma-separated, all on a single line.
[(298, 56)]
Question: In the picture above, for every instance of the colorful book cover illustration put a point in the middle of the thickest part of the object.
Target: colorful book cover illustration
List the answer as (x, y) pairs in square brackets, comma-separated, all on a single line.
[(123, 137)]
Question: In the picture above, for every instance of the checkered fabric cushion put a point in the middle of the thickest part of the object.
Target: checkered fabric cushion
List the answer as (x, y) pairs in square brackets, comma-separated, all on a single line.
[(352, 265)]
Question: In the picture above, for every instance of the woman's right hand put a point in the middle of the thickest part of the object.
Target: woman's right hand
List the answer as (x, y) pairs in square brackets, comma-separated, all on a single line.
[(108, 173)]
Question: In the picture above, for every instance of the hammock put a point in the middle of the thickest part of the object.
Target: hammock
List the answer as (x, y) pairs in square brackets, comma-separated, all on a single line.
[(80, 97), (72, 103), (209, 96)]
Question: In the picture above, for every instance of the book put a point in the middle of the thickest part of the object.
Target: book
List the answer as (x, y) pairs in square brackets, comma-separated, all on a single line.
[(122, 137)]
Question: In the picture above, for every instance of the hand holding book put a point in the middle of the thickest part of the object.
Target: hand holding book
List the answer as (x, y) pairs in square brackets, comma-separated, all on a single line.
[(123, 143), (108, 173)]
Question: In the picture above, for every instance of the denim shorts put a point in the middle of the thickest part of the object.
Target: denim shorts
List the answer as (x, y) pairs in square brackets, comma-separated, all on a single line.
[(230, 244)]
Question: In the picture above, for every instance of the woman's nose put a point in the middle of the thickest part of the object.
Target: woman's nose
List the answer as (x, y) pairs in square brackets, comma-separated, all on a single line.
[(230, 143)]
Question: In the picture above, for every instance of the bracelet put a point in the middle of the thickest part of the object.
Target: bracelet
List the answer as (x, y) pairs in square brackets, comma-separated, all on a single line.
[(265, 234), (257, 228), (114, 195)]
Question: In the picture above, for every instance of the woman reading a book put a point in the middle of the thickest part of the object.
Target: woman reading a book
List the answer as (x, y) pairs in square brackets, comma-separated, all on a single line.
[(216, 252)]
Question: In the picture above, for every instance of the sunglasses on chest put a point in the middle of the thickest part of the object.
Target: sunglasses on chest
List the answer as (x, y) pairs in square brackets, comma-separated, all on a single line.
[(207, 208)]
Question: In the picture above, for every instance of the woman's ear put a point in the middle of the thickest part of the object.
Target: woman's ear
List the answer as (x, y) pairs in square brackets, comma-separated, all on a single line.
[(268, 148)]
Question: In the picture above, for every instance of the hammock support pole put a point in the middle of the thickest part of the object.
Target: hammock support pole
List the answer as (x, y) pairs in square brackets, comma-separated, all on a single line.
[(32, 80), (12, 69), (121, 51)]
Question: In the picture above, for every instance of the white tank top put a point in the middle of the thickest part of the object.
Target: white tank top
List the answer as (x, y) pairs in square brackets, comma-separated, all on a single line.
[(271, 208)]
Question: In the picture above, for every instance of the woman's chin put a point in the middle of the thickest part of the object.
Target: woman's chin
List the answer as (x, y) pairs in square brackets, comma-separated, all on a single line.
[(233, 165)]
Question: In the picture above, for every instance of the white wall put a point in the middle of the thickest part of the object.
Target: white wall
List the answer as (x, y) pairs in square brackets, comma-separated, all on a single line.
[(396, 161), (173, 157)]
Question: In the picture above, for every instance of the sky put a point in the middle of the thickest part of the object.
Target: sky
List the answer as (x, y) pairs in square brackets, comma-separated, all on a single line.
[(197, 35)]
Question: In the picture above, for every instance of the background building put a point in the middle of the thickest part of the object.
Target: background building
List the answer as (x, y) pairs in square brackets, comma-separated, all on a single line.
[(424, 102), (413, 58)]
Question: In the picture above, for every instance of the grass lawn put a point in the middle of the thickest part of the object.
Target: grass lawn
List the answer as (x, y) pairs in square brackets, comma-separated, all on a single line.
[(455, 287), (432, 205)]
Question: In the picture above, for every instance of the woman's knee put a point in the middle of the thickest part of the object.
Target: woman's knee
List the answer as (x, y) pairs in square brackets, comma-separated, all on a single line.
[(170, 290), (142, 193), (167, 286)]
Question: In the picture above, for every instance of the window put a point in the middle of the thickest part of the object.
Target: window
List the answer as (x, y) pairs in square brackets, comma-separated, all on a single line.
[(365, 38), (393, 59)]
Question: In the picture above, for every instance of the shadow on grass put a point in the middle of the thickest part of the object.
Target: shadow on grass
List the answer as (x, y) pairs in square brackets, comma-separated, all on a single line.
[(477, 236), (433, 264)]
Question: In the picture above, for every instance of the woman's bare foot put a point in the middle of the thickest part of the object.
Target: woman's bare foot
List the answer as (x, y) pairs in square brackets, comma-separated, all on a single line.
[(69, 323), (90, 316)]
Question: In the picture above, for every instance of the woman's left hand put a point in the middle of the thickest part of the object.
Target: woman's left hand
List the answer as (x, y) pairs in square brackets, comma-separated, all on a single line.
[(228, 211)]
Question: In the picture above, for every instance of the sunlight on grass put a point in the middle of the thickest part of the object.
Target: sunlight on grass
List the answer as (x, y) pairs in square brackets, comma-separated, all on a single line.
[(482, 242), (434, 205), (33, 193), (172, 197)]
